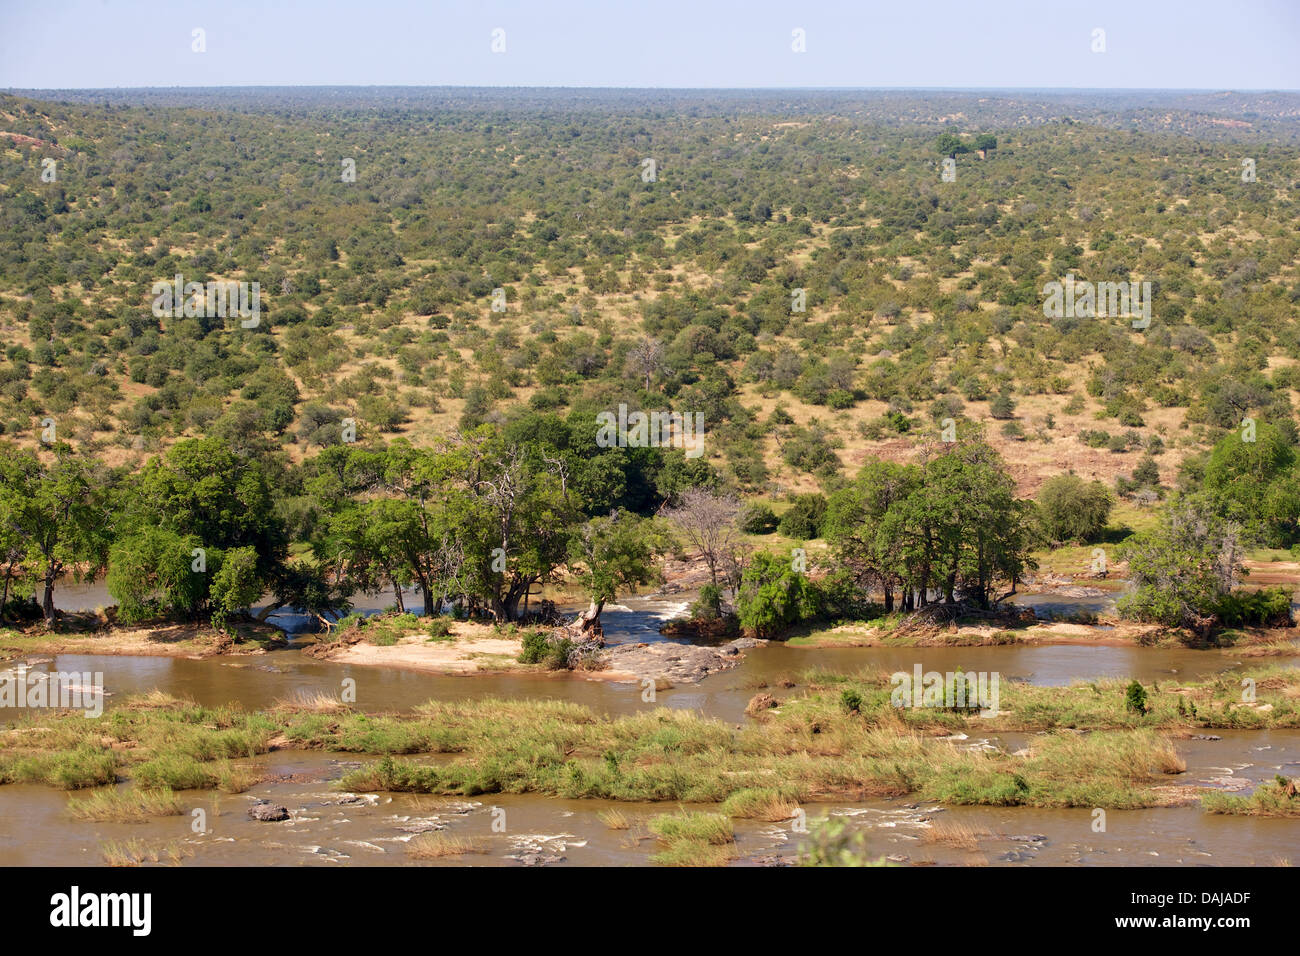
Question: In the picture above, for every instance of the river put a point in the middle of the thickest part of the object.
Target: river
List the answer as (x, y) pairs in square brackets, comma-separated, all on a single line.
[(329, 828)]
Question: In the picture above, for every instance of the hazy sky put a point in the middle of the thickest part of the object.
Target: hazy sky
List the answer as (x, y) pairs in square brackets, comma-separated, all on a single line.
[(1214, 44)]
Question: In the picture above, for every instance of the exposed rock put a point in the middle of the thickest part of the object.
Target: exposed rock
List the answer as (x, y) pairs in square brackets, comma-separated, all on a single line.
[(677, 663), (268, 812)]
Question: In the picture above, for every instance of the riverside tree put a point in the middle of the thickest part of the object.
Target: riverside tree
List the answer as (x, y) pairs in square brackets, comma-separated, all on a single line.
[(59, 517), (611, 555), (1183, 568), (951, 524)]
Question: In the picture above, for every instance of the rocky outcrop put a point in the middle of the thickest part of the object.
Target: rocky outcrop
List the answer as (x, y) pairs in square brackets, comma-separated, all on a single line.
[(669, 663)]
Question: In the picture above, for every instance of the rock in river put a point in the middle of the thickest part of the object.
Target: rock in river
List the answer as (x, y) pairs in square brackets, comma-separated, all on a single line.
[(268, 812), (676, 663)]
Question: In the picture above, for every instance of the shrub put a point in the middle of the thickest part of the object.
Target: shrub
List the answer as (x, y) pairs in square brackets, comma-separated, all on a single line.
[(803, 520), (1071, 509), (438, 629), (1135, 698), (1147, 472), (1269, 607), (540, 648), (757, 519), (709, 605)]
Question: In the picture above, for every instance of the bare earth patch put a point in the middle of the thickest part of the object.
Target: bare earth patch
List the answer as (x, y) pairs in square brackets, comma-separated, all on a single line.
[(473, 648)]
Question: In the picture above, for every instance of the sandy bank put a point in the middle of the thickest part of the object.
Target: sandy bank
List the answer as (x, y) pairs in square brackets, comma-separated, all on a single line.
[(168, 640)]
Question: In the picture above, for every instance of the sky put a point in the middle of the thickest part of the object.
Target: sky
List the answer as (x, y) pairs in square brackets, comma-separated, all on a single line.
[(1166, 44)]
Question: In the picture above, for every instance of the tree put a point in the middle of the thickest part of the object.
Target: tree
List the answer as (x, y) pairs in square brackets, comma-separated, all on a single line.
[(979, 532), (708, 521), (647, 358), (236, 584), (365, 543), (610, 555), (986, 142), (514, 510), (950, 144), (773, 596), (1182, 568), (153, 569), (204, 494), (855, 525), (59, 512), (13, 541), (1070, 509), (1256, 483)]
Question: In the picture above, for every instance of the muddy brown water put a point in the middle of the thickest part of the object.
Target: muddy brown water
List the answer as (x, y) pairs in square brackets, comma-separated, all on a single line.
[(330, 828)]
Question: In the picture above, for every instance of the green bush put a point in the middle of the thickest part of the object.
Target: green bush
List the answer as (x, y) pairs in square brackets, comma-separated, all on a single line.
[(803, 520), (1269, 607), (709, 605), (1071, 509), (540, 648), (1135, 698), (757, 519), (439, 628)]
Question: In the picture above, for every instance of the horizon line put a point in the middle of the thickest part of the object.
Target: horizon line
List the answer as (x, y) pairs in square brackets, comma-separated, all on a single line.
[(775, 89)]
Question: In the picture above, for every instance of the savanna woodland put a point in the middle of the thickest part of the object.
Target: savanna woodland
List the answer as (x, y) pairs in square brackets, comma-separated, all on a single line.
[(843, 292)]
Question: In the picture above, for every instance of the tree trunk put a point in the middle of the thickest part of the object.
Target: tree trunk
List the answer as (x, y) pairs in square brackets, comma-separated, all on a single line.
[(47, 603), (591, 617), (397, 593)]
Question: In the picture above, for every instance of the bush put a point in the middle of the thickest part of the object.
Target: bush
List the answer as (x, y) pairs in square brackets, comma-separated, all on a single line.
[(1135, 698), (1270, 607), (539, 648), (1071, 509), (757, 519), (709, 605), (773, 596), (1147, 472), (803, 520), (439, 629)]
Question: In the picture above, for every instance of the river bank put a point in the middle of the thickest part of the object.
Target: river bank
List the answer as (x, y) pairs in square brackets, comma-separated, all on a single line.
[(86, 633)]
